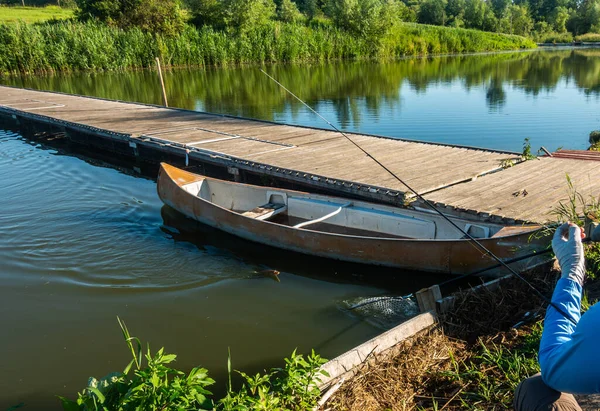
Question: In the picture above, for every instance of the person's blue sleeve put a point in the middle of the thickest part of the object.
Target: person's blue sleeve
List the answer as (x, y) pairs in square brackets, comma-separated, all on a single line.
[(570, 355)]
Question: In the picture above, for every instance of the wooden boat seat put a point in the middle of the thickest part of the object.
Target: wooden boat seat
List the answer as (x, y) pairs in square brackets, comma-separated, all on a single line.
[(265, 211)]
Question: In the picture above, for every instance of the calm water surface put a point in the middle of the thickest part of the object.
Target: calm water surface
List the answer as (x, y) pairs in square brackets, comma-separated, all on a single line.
[(81, 243), (493, 100)]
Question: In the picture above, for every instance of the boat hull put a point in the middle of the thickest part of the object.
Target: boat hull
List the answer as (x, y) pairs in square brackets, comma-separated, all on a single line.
[(439, 256)]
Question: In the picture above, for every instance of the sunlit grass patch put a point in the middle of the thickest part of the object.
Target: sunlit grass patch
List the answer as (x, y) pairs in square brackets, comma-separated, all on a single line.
[(589, 37), (33, 14)]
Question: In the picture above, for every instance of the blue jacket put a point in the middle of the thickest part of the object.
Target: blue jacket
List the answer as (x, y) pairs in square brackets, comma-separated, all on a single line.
[(570, 355)]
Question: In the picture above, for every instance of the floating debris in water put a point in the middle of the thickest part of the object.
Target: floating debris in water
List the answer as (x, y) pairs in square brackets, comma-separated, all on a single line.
[(272, 274)]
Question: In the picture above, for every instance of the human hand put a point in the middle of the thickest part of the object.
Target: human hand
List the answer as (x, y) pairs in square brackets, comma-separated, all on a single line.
[(568, 248)]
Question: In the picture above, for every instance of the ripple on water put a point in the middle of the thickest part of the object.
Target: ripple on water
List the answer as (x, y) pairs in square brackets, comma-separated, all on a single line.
[(91, 227)]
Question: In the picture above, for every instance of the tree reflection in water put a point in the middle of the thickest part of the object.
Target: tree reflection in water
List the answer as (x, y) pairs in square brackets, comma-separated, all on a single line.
[(351, 88)]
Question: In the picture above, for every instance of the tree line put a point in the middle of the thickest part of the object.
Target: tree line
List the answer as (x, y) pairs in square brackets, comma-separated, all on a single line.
[(368, 18)]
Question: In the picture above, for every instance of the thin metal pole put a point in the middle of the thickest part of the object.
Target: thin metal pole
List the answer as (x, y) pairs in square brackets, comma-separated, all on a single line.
[(162, 82)]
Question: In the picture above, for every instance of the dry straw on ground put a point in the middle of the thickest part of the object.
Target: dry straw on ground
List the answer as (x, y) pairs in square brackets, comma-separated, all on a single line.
[(414, 374), (398, 381)]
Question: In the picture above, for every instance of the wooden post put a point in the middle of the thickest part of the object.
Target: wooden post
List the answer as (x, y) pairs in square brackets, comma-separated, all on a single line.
[(427, 297), (162, 83)]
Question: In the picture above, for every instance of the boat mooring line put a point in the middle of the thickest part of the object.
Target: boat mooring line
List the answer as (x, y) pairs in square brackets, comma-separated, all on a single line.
[(484, 249)]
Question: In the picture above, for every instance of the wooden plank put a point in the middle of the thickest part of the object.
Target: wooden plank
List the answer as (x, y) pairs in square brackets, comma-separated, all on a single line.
[(346, 363), (327, 153)]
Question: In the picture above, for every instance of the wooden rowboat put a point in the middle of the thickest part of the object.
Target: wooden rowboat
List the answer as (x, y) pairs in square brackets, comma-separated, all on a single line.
[(342, 229)]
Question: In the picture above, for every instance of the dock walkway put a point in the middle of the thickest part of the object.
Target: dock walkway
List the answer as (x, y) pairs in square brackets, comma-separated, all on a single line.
[(461, 178)]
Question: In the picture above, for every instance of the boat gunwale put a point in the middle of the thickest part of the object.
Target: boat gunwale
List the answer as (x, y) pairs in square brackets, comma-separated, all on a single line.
[(533, 228)]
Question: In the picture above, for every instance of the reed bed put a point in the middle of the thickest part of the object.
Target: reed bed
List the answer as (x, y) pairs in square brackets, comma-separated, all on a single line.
[(75, 46), (589, 37), (557, 38)]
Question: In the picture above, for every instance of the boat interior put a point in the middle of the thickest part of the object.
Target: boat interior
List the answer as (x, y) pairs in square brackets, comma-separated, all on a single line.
[(336, 215)]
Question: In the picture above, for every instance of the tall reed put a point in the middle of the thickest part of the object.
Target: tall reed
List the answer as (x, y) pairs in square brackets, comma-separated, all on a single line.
[(69, 46)]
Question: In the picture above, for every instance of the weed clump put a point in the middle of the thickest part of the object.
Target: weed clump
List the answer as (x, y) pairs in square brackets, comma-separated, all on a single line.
[(157, 386)]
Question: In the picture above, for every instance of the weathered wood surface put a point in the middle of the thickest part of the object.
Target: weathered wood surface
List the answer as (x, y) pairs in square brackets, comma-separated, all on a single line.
[(265, 211), (529, 191), (325, 153), (525, 192)]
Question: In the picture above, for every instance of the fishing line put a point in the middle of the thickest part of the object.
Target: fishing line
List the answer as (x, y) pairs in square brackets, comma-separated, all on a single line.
[(474, 241)]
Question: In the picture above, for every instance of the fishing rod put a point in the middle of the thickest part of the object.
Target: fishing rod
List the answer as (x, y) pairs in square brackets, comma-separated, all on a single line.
[(464, 276), (482, 248)]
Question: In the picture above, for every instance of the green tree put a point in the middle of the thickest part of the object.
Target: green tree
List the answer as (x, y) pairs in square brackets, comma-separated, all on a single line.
[(520, 22), (208, 13), (585, 18), (541, 30), (156, 16), (406, 13), (311, 8), (104, 10), (490, 22), (239, 15), (474, 13), (589, 10), (243, 15), (455, 12), (558, 19), (288, 11), (368, 18), (499, 7), (433, 12)]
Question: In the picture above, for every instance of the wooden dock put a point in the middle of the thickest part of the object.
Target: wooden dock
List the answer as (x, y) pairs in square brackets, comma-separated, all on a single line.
[(459, 178)]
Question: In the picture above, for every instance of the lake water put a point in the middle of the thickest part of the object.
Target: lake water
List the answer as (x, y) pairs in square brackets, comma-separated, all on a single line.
[(82, 241), (492, 101)]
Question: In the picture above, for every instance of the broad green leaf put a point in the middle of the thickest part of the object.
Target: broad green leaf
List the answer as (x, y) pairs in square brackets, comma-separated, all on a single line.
[(98, 394)]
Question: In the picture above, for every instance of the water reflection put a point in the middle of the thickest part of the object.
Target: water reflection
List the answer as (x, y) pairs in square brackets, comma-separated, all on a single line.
[(81, 244), (412, 98)]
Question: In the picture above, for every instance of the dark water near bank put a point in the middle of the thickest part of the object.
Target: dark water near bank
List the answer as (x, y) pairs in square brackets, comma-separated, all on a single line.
[(492, 101), (81, 243)]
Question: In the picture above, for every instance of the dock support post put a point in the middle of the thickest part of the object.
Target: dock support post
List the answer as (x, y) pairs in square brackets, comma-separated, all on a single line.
[(235, 172), (162, 82), (427, 297)]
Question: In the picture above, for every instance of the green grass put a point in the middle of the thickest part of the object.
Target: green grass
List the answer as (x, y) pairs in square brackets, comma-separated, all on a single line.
[(71, 46), (557, 38), (589, 37), (487, 376), (33, 14)]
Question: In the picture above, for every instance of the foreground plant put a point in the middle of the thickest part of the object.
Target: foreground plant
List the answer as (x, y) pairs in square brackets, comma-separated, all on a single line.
[(153, 387), (156, 386), (290, 388)]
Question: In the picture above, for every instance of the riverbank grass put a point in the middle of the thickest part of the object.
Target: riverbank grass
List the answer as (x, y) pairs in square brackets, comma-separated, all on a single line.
[(478, 353), (472, 360), (75, 46), (14, 14)]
